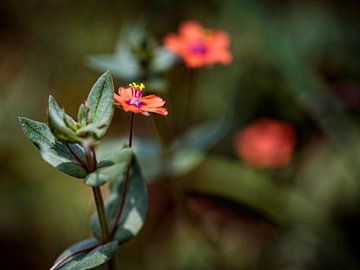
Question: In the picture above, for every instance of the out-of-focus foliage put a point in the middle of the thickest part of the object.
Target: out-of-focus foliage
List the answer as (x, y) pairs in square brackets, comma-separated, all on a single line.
[(178, 158), (137, 57), (296, 61)]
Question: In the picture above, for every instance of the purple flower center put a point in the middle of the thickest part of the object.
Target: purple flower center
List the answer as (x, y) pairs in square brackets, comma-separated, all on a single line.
[(199, 48), (134, 101), (136, 96)]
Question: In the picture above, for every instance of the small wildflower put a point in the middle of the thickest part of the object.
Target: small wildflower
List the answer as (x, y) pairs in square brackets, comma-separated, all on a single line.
[(198, 46), (131, 100), (266, 143)]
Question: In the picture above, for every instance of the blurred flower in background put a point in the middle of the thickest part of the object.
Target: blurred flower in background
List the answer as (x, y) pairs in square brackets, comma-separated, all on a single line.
[(266, 143), (198, 46)]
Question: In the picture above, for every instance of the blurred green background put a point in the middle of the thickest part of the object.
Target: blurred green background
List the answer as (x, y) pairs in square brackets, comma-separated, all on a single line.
[(297, 61)]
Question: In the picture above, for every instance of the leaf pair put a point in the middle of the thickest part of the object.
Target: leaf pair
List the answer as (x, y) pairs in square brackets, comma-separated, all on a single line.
[(59, 142), (94, 115)]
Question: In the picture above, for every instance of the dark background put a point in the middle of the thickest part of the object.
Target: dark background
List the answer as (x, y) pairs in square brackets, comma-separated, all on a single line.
[(297, 61)]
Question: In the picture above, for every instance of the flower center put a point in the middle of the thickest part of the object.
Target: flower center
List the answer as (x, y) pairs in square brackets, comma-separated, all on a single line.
[(199, 48), (134, 101), (137, 91)]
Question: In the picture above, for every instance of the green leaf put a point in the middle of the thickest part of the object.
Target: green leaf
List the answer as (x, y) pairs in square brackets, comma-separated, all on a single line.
[(163, 60), (134, 212), (86, 130), (94, 254), (189, 149), (57, 154), (110, 168), (203, 136), (83, 114), (147, 151), (101, 100), (124, 64), (57, 123)]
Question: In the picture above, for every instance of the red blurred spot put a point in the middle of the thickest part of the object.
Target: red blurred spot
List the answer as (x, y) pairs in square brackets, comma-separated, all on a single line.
[(266, 143)]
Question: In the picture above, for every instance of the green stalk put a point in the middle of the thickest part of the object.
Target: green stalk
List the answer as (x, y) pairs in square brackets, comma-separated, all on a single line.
[(99, 201)]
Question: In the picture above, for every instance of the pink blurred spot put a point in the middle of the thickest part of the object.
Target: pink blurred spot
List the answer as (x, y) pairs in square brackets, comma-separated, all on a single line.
[(266, 143)]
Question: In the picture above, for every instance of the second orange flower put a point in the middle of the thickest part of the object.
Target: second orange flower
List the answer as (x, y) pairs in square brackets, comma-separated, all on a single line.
[(198, 46)]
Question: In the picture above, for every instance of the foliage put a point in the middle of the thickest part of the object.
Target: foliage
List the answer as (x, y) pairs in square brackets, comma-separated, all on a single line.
[(66, 145)]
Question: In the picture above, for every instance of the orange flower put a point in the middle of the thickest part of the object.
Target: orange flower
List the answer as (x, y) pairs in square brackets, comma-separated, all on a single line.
[(131, 100), (266, 143), (198, 46)]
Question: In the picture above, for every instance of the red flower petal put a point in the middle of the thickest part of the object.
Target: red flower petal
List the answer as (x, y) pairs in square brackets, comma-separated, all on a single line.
[(126, 93), (159, 110), (173, 43), (151, 101), (130, 108), (191, 30), (219, 39), (190, 35)]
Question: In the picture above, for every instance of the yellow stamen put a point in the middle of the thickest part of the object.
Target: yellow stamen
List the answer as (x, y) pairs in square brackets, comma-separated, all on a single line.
[(136, 86)]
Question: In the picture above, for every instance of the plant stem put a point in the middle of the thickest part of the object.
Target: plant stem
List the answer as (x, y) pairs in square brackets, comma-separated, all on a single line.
[(126, 183), (99, 202), (131, 129)]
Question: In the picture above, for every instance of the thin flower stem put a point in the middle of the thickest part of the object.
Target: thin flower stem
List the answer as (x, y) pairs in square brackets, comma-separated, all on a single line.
[(63, 260), (126, 184), (131, 129)]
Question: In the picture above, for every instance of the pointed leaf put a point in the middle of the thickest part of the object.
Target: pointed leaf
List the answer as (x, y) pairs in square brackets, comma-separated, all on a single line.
[(134, 212), (110, 168), (83, 114), (57, 154), (57, 123), (101, 100), (89, 254)]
